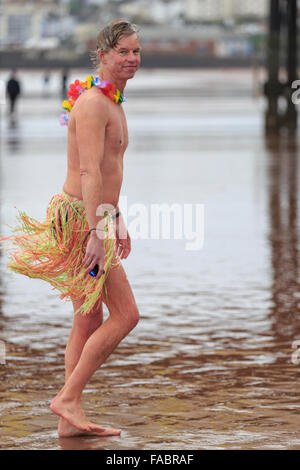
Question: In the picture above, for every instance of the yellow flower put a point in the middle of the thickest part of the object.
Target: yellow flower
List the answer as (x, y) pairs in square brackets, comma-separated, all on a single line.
[(89, 81), (66, 105), (117, 95)]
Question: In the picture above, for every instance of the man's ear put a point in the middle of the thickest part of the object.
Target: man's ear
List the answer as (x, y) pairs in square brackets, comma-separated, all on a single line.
[(101, 56)]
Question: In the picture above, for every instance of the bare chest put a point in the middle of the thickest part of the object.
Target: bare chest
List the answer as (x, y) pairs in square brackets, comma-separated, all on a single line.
[(116, 132)]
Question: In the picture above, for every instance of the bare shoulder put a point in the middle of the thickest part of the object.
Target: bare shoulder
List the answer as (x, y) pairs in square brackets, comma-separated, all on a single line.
[(91, 108)]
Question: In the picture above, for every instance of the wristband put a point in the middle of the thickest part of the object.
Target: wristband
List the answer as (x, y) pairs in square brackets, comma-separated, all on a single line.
[(84, 240), (101, 229)]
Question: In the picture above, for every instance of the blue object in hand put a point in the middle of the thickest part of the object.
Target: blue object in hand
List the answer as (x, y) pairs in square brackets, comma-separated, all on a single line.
[(95, 270)]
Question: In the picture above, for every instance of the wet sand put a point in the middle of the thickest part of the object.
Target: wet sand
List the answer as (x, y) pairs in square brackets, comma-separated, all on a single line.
[(209, 366)]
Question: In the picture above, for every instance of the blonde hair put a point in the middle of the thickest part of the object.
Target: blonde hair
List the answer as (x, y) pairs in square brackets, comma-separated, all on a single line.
[(109, 37)]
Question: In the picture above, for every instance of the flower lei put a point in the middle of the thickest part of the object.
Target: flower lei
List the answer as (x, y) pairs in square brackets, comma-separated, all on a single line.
[(108, 89)]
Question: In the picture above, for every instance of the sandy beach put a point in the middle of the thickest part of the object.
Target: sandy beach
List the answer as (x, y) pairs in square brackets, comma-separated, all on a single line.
[(210, 364)]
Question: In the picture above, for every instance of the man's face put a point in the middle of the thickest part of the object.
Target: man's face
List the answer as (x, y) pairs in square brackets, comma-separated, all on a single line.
[(124, 60)]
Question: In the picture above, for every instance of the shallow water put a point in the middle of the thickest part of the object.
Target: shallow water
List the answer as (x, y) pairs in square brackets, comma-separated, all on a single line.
[(209, 366)]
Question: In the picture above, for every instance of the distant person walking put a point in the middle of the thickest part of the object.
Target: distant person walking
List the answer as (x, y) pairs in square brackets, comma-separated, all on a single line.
[(13, 91), (46, 80), (64, 78)]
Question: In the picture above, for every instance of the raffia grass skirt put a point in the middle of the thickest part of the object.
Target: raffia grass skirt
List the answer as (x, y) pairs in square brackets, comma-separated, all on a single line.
[(53, 250)]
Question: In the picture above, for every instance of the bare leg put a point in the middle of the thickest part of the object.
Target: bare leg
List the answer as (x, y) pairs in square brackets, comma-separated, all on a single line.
[(123, 318), (82, 329)]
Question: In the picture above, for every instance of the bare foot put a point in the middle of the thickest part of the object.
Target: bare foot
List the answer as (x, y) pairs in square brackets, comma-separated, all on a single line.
[(72, 412), (65, 429)]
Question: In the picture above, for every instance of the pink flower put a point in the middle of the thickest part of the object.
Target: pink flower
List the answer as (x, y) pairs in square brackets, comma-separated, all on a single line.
[(63, 119)]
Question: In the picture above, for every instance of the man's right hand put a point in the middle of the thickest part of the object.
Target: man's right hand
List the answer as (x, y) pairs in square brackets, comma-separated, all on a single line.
[(94, 255)]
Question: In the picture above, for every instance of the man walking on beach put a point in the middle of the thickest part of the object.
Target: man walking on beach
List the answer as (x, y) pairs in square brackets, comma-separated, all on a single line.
[(73, 249), (97, 140), (13, 91)]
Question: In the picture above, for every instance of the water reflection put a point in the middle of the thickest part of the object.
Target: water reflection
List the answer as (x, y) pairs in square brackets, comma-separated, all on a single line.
[(13, 139), (283, 186)]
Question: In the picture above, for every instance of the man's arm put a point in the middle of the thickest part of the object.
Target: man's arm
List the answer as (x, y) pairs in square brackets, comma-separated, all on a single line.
[(90, 134)]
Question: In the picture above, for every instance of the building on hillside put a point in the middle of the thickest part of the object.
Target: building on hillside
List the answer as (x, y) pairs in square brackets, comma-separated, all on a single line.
[(33, 21)]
